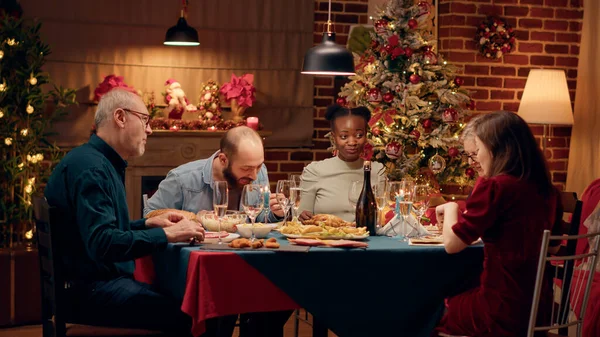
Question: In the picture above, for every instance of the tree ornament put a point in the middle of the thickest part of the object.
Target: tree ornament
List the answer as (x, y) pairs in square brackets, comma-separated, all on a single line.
[(381, 26), (341, 101), (374, 96), (470, 172), (408, 51), (458, 81), (32, 79), (453, 152), (24, 132), (29, 109), (2, 87), (388, 97), (450, 115), (1, 54), (414, 79), (416, 134), (376, 131), (427, 123), (430, 58), (1, 113), (393, 150), (437, 163), (8, 141), (412, 24), (471, 105)]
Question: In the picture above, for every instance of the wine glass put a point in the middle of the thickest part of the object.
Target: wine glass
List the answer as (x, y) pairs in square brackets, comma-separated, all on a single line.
[(354, 193), (284, 192), (380, 192), (401, 192), (253, 202), (220, 201), (421, 197), (296, 194)]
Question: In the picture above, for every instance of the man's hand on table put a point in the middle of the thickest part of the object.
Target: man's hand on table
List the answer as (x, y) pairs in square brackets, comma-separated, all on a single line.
[(305, 215), (184, 230), (164, 220)]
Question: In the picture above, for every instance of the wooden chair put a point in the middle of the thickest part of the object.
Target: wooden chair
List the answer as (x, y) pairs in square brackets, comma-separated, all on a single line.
[(54, 320), (572, 288)]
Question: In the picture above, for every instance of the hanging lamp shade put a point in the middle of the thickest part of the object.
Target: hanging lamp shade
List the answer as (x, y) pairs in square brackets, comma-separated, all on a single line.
[(181, 34), (328, 58)]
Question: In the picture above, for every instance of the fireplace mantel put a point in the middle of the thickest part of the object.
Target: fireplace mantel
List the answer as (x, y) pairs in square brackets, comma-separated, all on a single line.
[(166, 150)]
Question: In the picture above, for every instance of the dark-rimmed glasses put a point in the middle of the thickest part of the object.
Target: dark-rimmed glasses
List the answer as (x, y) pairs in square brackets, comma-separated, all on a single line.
[(145, 118)]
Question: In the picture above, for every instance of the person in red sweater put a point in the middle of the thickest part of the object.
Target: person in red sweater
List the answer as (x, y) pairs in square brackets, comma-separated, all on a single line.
[(509, 210)]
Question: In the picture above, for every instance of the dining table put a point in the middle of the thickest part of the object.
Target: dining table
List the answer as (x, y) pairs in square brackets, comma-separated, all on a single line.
[(390, 288)]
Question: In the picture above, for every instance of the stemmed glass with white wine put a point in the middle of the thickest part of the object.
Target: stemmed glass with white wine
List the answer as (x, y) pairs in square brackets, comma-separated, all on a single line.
[(421, 197), (380, 190), (220, 202), (253, 203), (354, 193), (284, 197), (296, 195)]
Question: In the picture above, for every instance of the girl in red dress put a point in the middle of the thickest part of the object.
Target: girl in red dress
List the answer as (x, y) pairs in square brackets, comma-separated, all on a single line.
[(509, 210)]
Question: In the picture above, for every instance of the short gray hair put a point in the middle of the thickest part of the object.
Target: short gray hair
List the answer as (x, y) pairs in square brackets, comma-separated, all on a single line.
[(112, 100)]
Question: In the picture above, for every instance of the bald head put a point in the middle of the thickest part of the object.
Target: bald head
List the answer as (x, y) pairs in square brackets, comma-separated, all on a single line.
[(113, 100), (240, 138)]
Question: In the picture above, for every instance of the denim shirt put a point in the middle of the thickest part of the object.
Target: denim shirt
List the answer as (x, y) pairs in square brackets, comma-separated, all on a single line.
[(189, 187)]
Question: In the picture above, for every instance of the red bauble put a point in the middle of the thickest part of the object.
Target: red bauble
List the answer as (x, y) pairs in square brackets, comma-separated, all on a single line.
[(453, 152), (374, 96), (427, 123), (430, 57), (414, 79), (416, 134), (375, 131), (408, 51), (459, 81), (388, 97), (388, 49), (341, 101), (412, 24), (381, 25), (392, 150), (469, 172), (450, 115)]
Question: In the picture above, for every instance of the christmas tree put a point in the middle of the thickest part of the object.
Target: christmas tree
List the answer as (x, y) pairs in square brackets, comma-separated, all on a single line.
[(28, 105), (209, 103), (417, 103)]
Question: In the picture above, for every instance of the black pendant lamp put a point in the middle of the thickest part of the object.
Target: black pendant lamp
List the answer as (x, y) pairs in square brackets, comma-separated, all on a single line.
[(328, 58), (181, 34)]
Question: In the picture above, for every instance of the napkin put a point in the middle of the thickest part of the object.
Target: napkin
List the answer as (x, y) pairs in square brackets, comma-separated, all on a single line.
[(403, 226)]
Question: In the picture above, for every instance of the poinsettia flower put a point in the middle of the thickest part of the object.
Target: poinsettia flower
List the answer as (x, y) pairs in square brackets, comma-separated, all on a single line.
[(240, 88)]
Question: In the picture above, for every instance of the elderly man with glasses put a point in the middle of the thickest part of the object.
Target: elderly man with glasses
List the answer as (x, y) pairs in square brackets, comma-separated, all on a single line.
[(100, 242)]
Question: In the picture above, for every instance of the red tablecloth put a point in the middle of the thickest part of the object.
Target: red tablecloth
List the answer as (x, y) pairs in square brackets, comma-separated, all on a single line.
[(220, 284)]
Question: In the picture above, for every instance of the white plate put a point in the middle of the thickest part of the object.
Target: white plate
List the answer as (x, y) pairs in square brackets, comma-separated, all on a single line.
[(228, 238), (331, 237)]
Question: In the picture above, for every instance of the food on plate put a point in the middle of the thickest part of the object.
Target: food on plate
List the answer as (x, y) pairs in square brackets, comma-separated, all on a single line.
[(328, 220), (185, 214), (271, 240), (329, 243), (257, 244), (272, 244), (323, 232), (308, 242), (240, 243), (311, 229), (428, 239), (211, 223)]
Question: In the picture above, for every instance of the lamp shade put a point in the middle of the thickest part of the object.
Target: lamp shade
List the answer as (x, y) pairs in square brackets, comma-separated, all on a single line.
[(546, 98), (328, 58), (181, 35)]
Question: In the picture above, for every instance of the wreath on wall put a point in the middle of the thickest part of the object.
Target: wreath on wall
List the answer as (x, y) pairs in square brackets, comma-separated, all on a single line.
[(494, 38)]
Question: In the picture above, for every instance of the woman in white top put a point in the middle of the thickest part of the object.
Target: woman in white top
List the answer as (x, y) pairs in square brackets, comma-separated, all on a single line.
[(325, 184)]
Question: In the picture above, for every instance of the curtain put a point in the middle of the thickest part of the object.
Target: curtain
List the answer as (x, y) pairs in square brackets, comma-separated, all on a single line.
[(268, 38), (584, 155)]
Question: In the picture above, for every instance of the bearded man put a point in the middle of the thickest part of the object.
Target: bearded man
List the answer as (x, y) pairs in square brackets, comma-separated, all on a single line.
[(189, 187)]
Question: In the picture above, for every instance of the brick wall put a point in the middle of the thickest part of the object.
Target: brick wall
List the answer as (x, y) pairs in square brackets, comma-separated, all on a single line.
[(548, 35), (282, 162)]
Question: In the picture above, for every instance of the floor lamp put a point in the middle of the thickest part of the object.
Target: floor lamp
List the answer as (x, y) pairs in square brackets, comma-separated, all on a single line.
[(546, 101)]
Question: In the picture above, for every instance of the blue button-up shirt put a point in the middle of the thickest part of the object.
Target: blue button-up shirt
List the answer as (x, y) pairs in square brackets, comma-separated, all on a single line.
[(189, 187)]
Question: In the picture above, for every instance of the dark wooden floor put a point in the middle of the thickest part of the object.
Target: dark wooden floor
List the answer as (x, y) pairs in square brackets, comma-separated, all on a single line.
[(36, 331)]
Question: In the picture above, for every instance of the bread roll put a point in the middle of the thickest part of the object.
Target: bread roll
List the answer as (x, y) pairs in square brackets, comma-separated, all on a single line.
[(185, 214)]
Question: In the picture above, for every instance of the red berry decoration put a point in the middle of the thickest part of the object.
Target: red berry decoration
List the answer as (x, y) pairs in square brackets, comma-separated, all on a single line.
[(375, 131), (412, 24), (388, 97), (414, 79), (427, 123), (469, 172), (459, 81), (416, 134), (341, 101), (453, 152), (408, 51)]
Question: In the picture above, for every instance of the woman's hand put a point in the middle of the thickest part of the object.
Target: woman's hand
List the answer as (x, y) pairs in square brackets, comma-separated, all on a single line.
[(305, 215), (275, 206), (440, 210)]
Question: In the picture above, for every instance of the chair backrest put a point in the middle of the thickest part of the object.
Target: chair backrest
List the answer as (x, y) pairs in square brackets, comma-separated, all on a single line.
[(577, 289), (51, 274)]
